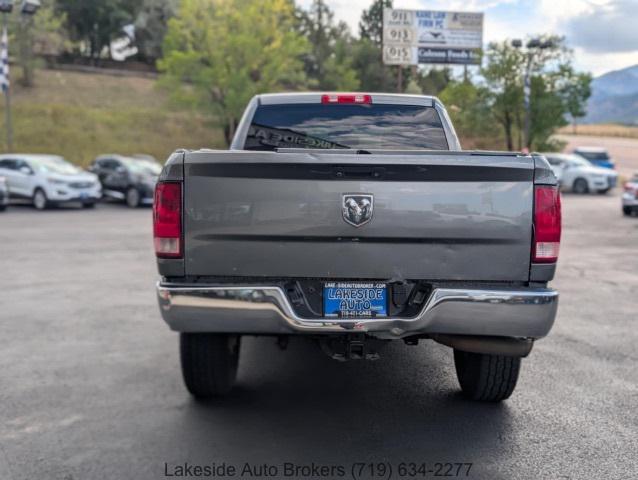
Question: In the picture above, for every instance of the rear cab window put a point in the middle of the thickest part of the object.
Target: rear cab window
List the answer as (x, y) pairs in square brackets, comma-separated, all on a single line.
[(349, 126)]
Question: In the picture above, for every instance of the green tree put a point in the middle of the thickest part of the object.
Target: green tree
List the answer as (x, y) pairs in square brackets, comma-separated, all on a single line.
[(49, 34), (556, 90), (547, 111), (471, 113), (150, 27), (372, 73), (434, 80), (503, 76), (575, 90), (371, 23), (328, 65), (41, 34), (368, 55), (95, 23), (219, 53)]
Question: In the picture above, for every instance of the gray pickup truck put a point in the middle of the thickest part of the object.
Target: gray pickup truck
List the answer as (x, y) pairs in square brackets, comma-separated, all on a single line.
[(356, 219)]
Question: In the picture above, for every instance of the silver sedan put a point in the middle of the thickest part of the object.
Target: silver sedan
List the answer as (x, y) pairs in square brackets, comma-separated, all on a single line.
[(630, 197)]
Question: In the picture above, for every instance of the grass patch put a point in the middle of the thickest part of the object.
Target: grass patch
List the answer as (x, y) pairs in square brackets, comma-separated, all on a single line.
[(602, 130), (80, 116)]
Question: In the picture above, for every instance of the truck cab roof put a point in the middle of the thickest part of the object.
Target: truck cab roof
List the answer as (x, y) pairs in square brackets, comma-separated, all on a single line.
[(317, 97)]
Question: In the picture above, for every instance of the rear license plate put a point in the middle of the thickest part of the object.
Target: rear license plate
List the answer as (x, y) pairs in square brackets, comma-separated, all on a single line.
[(355, 300)]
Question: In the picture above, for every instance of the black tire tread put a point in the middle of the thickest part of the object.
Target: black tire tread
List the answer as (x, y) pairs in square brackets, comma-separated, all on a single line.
[(209, 367), (489, 378), (139, 198), (584, 181), (46, 202)]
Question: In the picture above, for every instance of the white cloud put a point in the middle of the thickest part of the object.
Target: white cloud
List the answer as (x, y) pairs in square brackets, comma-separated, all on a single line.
[(350, 10), (598, 64), (606, 28), (559, 10)]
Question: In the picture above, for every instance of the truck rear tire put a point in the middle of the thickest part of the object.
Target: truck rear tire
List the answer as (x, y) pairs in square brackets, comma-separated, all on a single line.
[(209, 363), (489, 378)]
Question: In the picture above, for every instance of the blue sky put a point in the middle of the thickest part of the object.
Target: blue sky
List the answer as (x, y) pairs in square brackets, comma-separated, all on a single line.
[(602, 33)]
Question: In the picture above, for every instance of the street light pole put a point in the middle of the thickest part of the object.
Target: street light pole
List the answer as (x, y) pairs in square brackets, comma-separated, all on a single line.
[(28, 9), (527, 93)]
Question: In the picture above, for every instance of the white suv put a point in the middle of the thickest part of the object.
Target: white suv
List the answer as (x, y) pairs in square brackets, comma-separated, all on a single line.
[(4, 194), (579, 175), (48, 179)]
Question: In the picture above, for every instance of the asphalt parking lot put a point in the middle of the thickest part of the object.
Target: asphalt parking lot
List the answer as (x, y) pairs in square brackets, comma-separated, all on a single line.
[(90, 386)]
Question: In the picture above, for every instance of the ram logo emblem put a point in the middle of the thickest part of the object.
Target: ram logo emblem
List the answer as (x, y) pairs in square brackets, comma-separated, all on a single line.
[(357, 208)]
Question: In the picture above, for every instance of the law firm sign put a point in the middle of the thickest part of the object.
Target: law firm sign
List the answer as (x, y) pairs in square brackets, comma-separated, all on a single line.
[(411, 37)]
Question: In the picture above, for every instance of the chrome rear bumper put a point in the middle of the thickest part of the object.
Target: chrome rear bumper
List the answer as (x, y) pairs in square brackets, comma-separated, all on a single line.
[(527, 313)]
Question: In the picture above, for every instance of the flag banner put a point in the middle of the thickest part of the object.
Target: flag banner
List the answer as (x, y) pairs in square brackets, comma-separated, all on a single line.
[(4, 61)]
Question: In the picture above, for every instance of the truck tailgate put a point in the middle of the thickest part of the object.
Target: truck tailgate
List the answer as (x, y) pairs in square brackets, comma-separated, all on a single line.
[(436, 215)]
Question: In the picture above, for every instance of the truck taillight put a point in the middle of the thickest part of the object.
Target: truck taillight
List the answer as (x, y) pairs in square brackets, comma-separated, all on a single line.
[(167, 219), (547, 224), (346, 98)]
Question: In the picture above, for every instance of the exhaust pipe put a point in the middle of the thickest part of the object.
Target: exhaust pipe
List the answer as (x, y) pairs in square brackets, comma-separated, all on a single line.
[(506, 346)]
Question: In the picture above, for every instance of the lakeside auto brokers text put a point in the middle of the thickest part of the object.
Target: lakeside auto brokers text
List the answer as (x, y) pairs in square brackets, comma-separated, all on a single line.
[(355, 470)]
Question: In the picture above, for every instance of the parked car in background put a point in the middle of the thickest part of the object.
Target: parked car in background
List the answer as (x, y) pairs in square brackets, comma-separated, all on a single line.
[(630, 196), (48, 180), (126, 178), (597, 156), (578, 175), (149, 161), (4, 194), (145, 156)]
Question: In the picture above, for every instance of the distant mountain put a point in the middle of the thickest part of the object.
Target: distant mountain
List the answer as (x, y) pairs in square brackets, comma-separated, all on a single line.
[(614, 97), (618, 82)]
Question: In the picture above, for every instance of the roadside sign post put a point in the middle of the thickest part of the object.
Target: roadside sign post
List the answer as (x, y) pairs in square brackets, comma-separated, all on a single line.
[(416, 37)]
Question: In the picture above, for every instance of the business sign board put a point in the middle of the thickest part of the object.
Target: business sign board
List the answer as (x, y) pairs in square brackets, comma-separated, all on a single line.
[(411, 37)]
